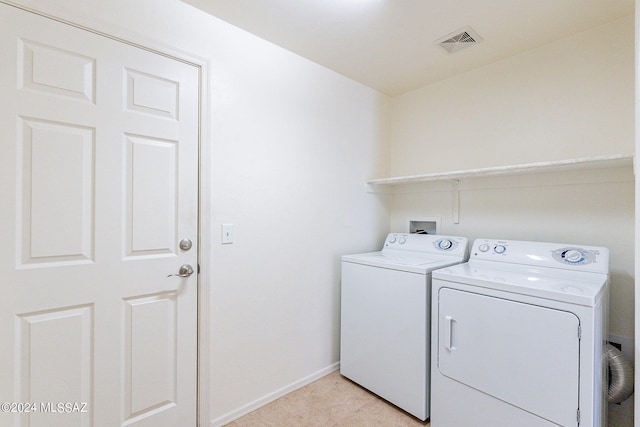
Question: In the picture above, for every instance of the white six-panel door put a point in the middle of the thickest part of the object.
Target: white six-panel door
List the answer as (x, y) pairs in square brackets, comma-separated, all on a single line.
[(98, 185)]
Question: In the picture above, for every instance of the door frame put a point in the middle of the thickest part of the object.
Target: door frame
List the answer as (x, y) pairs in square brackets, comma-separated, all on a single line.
[(140, 41)]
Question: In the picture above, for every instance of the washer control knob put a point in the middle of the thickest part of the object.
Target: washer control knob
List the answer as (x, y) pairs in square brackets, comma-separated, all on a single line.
[(573, 256), (445, 244), (483, 247), (402, 240), (499, 249), (392, 239)]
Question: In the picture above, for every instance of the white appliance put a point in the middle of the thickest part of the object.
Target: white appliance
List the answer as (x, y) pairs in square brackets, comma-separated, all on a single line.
[(385, 323), (518, 336)]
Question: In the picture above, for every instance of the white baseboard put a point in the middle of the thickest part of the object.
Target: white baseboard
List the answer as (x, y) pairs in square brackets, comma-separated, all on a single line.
[(252, 406)]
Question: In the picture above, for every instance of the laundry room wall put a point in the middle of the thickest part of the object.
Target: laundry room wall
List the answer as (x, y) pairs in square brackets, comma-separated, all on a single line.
[(288, 149), (572, 98), (568, 99), (292, 146)]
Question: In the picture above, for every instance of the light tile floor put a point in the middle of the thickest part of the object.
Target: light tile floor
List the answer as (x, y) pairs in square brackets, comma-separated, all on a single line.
[(335, 401), (331, 401)]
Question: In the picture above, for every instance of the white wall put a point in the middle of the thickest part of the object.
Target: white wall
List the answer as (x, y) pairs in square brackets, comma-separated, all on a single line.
[(289, 173), (289, 147), (569, 99)]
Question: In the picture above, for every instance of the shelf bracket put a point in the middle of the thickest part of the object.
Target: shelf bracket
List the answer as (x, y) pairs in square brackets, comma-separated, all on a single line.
[(455, 200)]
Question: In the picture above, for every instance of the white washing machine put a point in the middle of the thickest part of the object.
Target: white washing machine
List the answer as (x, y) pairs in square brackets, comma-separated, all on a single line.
[(385, 316), (518, 335)]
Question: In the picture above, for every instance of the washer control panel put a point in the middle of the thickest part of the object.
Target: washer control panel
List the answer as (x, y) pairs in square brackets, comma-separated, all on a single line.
[(429, 243), (445, 244), (573, 257)]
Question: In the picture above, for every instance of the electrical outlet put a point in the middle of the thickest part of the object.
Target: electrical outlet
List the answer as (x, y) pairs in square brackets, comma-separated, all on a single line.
[(227, 234)]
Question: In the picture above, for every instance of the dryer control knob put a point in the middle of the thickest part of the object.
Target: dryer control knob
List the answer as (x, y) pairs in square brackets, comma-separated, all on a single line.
[(445, 244), (483, 247), (392, 239), (402, 240), (573, 256), (499, 249)]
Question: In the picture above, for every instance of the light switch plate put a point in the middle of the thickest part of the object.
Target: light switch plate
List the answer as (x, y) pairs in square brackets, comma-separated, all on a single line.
[(227, 234)]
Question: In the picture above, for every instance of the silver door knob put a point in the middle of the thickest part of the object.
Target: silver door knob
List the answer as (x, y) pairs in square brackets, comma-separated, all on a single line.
[(185, 244), (185, 270)]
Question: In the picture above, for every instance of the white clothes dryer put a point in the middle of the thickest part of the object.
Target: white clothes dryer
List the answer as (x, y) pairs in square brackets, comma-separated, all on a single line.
[(385, 316), (518, 334)]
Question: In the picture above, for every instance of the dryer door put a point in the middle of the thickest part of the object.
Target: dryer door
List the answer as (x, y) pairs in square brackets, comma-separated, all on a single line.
[(523, 354)]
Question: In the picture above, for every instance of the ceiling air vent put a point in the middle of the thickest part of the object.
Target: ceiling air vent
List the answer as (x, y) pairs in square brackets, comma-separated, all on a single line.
[(458, 40)]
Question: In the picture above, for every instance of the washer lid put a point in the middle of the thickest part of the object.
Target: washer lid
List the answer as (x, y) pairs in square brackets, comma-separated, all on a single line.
[(574, 287), (420, 263)]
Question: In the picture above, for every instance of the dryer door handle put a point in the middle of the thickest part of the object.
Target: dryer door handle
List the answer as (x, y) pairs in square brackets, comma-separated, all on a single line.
[(448, 333)]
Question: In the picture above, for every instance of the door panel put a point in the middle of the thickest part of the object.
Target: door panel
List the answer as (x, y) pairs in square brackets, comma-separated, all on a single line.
[(525, 355), (55, 360), (150, 358), (99, 178), (52, 70), (56, 192), (151, 215)]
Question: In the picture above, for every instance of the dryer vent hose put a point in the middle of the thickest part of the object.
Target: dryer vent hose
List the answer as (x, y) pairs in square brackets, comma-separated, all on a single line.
[(620, 375)]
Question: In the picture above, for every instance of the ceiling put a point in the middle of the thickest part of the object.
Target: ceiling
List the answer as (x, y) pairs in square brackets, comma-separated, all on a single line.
[(389, 45)]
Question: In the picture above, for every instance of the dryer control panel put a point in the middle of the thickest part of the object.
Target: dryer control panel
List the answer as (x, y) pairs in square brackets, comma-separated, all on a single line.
[(556, 255)]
